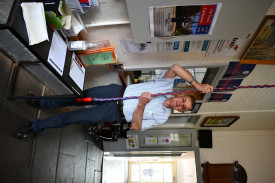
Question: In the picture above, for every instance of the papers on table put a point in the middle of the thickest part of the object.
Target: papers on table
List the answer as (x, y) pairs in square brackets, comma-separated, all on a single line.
[(57, 54), (77, 71), (34, 17)]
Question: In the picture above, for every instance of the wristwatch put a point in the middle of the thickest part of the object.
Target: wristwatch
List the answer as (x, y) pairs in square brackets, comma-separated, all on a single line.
[(192, 81)]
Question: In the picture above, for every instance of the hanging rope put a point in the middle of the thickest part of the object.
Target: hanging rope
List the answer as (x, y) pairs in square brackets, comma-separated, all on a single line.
[(89, 99)]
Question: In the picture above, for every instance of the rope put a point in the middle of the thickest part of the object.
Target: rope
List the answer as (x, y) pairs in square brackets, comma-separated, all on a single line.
[(90, 99)]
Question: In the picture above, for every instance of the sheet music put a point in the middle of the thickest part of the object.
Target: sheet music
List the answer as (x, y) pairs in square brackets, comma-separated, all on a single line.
[(77, 71), (57, 54), (34, 17)]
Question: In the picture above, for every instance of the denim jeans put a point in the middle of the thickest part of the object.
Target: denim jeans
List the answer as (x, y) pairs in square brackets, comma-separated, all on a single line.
[(100, 112)]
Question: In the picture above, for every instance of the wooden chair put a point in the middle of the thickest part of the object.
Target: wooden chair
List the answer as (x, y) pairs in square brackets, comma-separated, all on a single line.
[(223, 173)]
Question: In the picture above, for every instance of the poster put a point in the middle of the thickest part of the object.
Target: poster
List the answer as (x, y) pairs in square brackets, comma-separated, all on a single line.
[(164, 140), (151, 141), (132, 142), (219, 97), (229, 83), (236, 70), (262, 47), (225, 47), (170, 46), (195, 46), (128, 46), (183, 20)]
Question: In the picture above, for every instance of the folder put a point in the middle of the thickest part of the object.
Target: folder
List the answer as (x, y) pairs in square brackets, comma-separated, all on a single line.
[(98, 56)]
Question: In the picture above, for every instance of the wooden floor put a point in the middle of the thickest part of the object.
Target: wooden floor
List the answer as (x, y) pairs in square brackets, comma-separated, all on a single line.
[(55, 155)]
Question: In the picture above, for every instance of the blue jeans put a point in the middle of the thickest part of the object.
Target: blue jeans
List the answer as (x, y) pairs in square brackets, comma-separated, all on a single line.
[(102, 111)]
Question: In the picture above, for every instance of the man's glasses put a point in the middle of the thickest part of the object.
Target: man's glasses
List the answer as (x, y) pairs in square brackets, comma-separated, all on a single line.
[(183, 107)]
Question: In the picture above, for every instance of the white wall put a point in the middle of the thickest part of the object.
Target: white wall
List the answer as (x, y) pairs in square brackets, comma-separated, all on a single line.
[(254, 150), (115, 170), (271, 10), (186, 168)]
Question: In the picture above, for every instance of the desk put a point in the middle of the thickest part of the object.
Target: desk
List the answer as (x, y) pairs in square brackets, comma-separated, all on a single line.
[(14, 37)]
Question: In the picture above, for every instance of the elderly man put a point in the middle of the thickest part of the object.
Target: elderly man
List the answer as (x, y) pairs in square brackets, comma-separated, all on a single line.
[(143, 113)]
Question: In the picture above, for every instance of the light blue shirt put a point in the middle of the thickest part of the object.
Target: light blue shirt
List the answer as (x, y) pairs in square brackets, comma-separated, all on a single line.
[(154, 113)]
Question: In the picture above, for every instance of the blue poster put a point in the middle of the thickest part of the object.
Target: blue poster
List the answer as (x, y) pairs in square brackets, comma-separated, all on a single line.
[(237, 70), (229, 83), (219, 97)]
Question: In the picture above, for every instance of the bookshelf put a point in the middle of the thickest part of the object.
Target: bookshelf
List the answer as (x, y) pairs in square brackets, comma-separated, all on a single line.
[(14, 43)]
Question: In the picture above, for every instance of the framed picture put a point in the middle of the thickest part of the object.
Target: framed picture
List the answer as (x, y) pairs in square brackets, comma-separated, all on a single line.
[(219, 121), (261, 50), (195, 110)]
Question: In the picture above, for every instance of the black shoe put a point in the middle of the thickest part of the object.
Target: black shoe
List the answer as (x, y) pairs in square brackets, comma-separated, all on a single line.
[(33, 101), (24, 132)]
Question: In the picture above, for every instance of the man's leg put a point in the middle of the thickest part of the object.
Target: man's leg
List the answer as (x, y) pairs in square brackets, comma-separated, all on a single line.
[(106, 112), (108, 91)]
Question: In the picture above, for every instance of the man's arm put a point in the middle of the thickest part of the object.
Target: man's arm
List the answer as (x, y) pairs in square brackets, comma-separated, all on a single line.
[(138, 113), (177, 70)]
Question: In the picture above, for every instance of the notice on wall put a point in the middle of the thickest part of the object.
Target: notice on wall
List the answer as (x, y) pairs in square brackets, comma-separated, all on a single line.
[(229, 83), (225, 47), (151, 141), (170, 46), (183, 20), (132, 142), (235, 70), (164, 140), (219, 97), (195, 46), (128, 46)]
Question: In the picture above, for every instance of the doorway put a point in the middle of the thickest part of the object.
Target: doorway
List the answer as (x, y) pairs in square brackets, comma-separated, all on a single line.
[(140, 168)]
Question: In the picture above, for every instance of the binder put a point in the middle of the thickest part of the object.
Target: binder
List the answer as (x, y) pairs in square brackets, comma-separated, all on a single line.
[(98, 57)]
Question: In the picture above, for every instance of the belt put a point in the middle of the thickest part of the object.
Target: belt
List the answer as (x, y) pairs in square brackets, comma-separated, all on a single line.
[(120, 105), (120, 108)]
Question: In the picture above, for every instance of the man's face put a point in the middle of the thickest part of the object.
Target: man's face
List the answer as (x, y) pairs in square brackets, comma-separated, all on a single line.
[(182, 103)]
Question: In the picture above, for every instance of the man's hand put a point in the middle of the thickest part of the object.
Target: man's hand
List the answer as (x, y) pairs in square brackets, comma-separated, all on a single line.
[(138, 113), (144, 98), (204, 88)]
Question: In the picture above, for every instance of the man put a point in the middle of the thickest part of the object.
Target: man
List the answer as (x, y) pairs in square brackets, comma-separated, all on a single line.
[(143, 113)]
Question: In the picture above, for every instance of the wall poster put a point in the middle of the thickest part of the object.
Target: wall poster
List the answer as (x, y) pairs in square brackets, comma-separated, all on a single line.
[(262, 47), (183, 20)]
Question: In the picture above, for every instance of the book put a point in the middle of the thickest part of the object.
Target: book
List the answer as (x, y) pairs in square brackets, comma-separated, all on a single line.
[(98, 56), (77, 71), (57, 53), (34, 17)]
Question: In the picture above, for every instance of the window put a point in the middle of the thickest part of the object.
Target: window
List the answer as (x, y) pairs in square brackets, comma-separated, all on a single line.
[(150, 171)]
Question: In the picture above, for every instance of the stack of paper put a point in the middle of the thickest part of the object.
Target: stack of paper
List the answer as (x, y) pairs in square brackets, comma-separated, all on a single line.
[(57, 53), (77, 71), (34, 17)]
